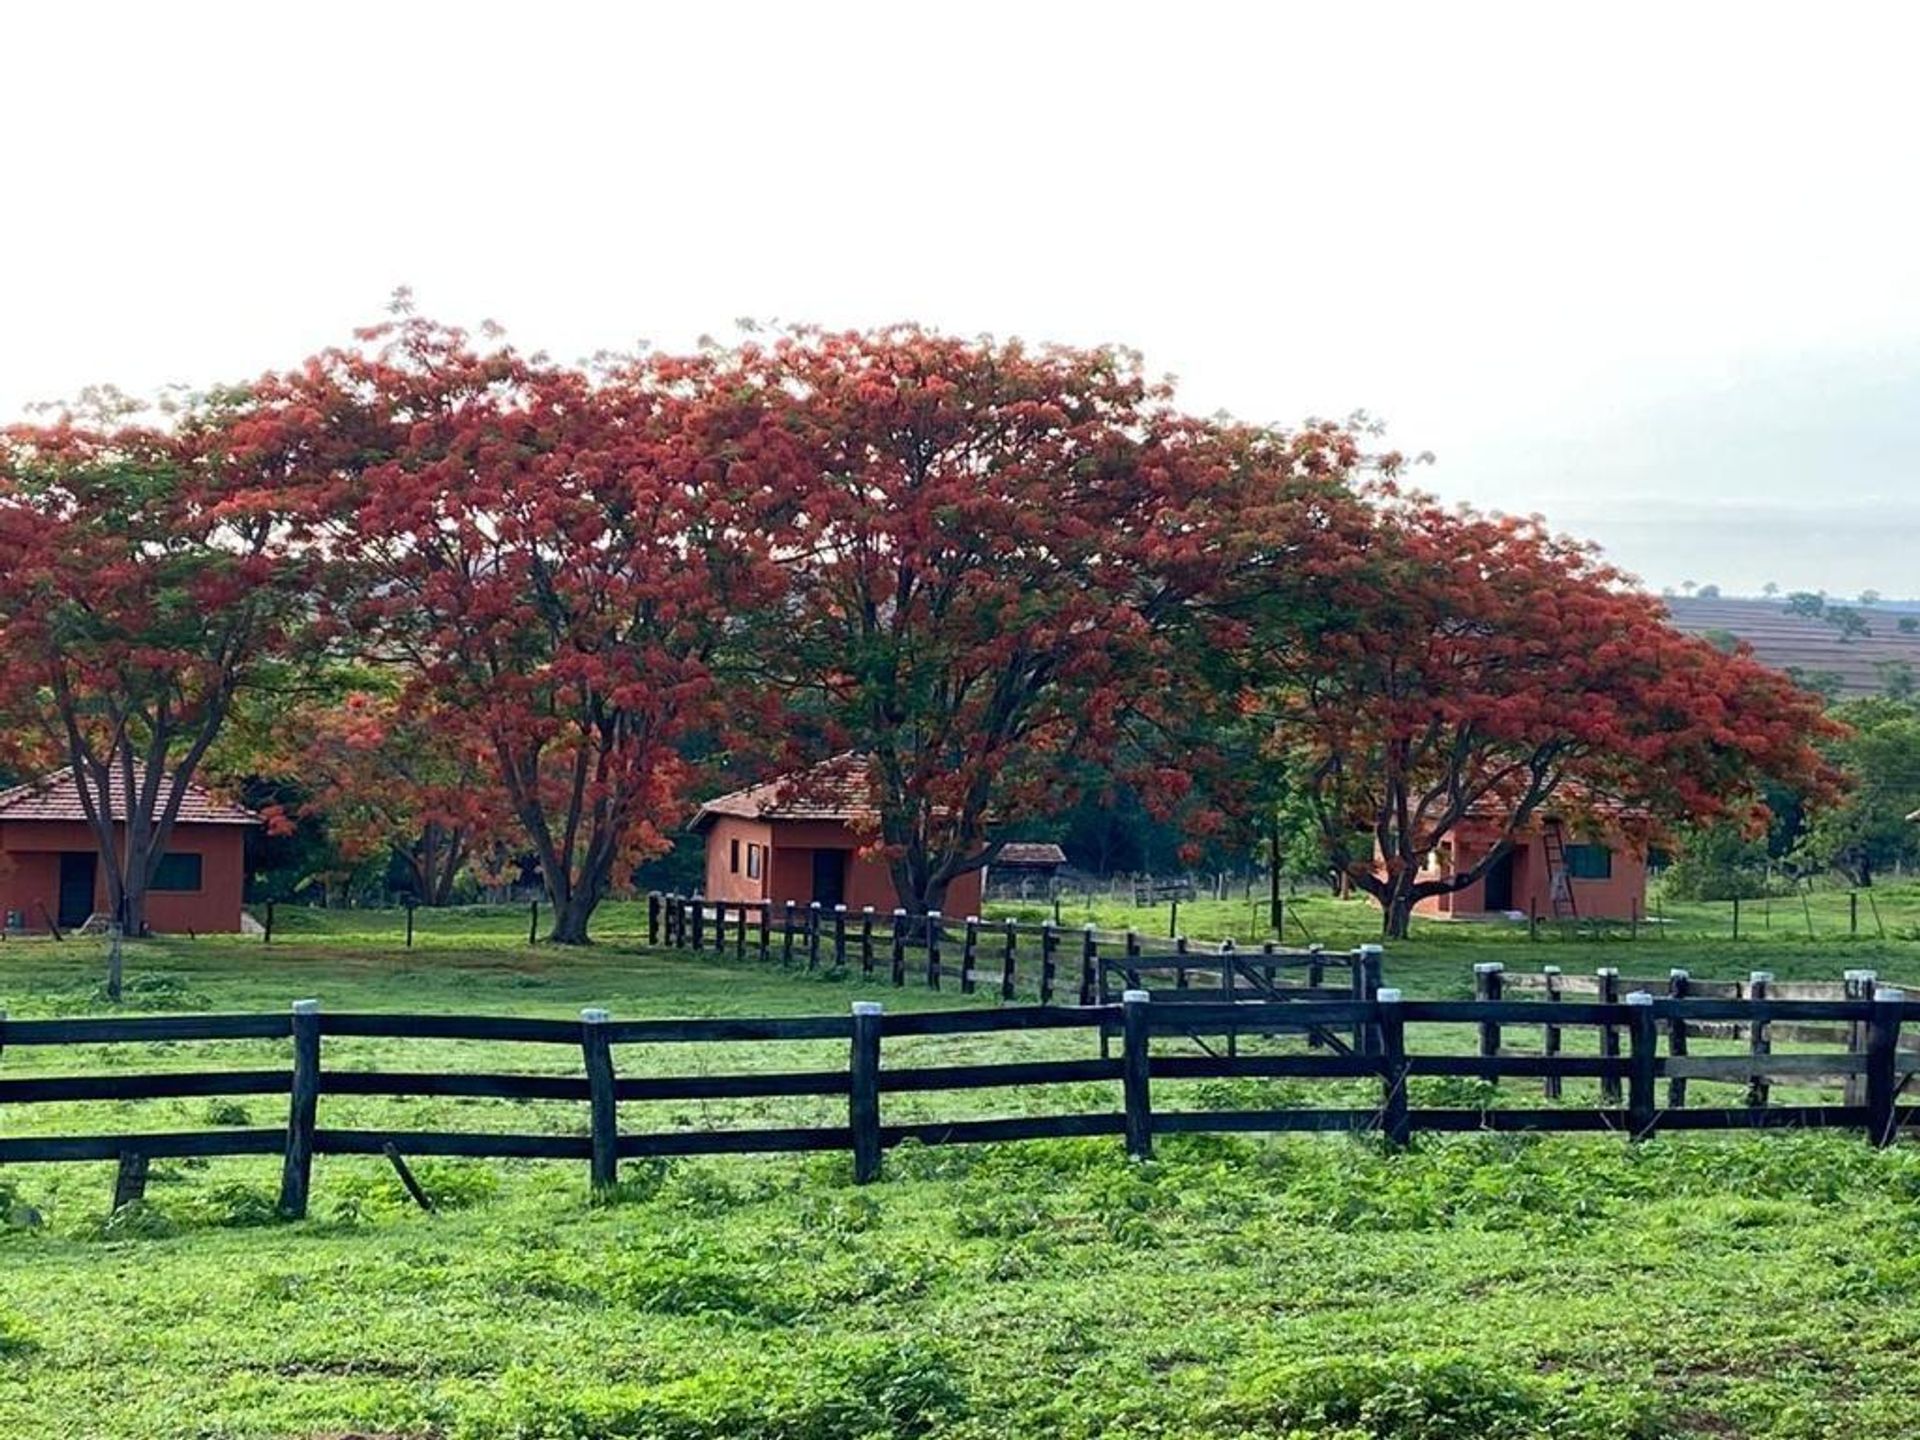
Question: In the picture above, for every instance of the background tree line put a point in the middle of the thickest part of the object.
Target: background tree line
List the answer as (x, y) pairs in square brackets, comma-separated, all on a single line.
[(487, 617)]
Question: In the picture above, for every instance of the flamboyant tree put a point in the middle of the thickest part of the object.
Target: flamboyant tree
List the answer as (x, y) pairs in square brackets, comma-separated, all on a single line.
[(1439, 664), (145, 584), (389, 777), (552, 555), (987, 561)]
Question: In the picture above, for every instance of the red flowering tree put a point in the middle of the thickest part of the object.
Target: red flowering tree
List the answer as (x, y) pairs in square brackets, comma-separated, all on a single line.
[(1437, 663), (553, 556), (145, 584), (389, 778), (992, 558)]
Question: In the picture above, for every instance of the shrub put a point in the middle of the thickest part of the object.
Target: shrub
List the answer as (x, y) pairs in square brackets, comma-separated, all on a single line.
[(1440, 1397), (227, 1112)]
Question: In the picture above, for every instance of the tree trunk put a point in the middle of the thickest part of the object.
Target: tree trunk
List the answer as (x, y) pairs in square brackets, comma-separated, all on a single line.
[(570, 921)]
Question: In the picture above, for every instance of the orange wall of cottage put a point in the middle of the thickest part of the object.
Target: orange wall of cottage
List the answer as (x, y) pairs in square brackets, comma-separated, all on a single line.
[(30, 853), (786, 867), (1621, 896)]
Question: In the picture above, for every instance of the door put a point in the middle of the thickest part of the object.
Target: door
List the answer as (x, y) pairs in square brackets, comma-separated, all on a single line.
[(76, 888), (1499, 883), (830, 877)]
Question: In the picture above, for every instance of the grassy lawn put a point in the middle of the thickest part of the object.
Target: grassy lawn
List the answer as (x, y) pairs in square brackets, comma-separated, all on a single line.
[(1762, 1286)]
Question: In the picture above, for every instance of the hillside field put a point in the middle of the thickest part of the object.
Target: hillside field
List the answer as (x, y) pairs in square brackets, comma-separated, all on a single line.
[(1765, 1287)]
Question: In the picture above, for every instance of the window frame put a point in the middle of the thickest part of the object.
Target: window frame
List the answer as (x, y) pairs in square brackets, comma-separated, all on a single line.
[(1587, 867), (158, 886)]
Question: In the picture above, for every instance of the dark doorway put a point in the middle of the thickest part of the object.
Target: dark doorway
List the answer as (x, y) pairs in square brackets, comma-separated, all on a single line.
[(1499, 883), (76, 888), (830, 878)]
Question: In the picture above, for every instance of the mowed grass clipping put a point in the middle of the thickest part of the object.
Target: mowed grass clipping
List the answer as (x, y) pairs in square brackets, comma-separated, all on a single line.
[(1763, 1286)]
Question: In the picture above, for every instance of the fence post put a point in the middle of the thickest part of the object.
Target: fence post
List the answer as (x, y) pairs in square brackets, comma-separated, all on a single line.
[(1853, 912), (813, 935), (1644, 1037), (1133, 1073), (1396, 1119), (130, 1180), (597, 1054), (1759, 1039), (653, 917), (1366, 985), (899, 956), (1550, 1033), (933, 949), (1857, 985), (1010, 961), (533, 924), (839, 937), (969, 952), (740, 936), (866, 942), (1488, 982), (699, 920), (1049, 948), (1609, 978), (1736, 917), (1883, 1046), (766, 931), (786, 937), (1679, 982), (1089, 958), (266, 937), (296, 1172), (863, 1091), (1132, 954)]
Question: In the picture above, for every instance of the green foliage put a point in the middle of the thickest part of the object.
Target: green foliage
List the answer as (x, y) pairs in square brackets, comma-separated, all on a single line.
[(1449, 1396), (1717, 862), (16, 1337), (854, 1390), (1868, 833)]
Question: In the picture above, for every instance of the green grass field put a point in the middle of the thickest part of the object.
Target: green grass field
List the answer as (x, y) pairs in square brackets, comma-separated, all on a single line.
[(1763, 1286)]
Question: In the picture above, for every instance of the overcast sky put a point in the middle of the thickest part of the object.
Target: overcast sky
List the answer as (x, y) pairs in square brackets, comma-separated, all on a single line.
[(1653, 272)]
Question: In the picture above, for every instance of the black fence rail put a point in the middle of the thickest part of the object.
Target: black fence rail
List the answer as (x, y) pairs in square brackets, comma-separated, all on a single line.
[(1147, 1071), (1491, 982), (1046, 960)]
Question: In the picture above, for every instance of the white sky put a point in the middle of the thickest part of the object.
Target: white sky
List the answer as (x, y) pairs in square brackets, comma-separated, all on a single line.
[(1652, 270)]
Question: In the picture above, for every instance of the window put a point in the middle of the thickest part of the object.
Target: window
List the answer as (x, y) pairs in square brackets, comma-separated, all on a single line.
[(754, 852), (735, 866), (179, 873), (1589, 862)]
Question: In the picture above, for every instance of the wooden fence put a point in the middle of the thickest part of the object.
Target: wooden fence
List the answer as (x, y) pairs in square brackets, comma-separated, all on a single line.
[(1046, 960), (1386, 1057), (1492, 982)]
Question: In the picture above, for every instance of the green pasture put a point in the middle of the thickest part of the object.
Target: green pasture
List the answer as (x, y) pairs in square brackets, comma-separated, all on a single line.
[(1303, 1287)]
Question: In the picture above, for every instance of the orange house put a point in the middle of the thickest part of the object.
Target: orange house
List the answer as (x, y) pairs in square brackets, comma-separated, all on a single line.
[(50, 869), (1555, 874), (799, 838)]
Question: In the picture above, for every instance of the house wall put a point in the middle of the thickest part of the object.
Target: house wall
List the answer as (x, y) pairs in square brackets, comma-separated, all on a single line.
[(789, 875), (1621, 896), (722, 883), (30, 853)]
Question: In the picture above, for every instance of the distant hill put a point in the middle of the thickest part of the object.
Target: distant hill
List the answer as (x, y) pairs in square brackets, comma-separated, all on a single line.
[(1804, 643)]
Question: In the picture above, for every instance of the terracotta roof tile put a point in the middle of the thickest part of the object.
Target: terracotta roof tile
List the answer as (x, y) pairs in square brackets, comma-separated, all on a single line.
[(836, 789), (57, 797)]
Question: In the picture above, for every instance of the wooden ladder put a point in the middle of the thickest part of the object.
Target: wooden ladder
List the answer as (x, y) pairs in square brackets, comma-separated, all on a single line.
[(1559, 882)]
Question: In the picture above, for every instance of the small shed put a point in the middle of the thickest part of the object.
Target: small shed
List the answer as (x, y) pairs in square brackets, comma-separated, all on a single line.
[(801, 837), (50, 865), (1025, 868)]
